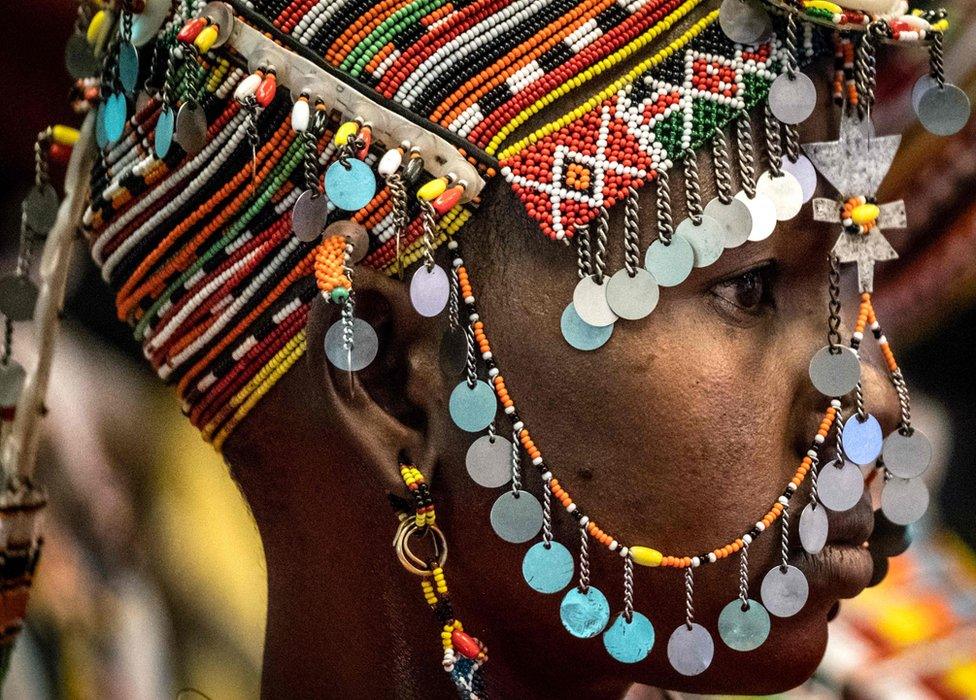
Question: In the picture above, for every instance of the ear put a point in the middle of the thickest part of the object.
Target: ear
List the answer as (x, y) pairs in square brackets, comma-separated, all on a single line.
[(393, 408)]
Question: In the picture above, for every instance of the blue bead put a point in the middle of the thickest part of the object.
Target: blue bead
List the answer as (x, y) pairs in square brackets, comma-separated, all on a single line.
[(580, 334), (472, 409), (862, 441), (164, 131), (743, 630), (114, 116), (629, 642), (584, 615), (350, 188), (547, 570)]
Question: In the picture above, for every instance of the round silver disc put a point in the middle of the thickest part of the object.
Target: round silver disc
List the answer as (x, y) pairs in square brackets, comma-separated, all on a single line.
[(944, 112), (920, 87), (813, 528), (792, 100), (362, 351), (784, 191), (581, 335), (308, 216), (672, 263), (221, 14), (743, 22), (840, 488), (40, 209), (763, 213), (146, 24), (12, 377), (907, 456), (735, 219), (429, 290), (18, 296), (489, 461), (862, 439), (707, 239), (805, 174), (904, 501), (79, 58), (632, 298), (835, 374), (516, 518), (191, 127), (355, 233), (690, 651), (590, 302), (784, 592)]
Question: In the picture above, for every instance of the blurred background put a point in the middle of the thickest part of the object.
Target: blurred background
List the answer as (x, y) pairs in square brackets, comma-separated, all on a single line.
[(152, 576)]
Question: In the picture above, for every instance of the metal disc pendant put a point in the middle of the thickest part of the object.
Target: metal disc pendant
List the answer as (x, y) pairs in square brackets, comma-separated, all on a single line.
[(590, 302), (743, 630), (453, 352), (921, 86), (629, 642), (707, 239), (584, 615), (355, 234), (840, 488), (79, 58), (580, 334), (792, 100), (805, 174), (690, 651), (128, 67), (907, 455), (163, 138), (472, 408), (547, 569), (944, 111), (101, 140), (350, 184), (18, 296), (12, 378), (632, 298), (489, 461), (429, 290), (671, 263), (813, 528), (835, 374), (146, 24), (362, 352), (191, 127), (763, 213), (735, 219), (784, 192), (862, 440), (904, 501), (40, 209), (308, 216), (784, 592), (743, 22), (114, 116), (516, 518)]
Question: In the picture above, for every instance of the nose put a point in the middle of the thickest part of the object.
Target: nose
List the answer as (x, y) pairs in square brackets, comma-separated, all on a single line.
[(878, 391)]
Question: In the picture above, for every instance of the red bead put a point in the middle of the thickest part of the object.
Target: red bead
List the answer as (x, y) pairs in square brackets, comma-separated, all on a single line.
[(465, 644), (266, 90), (59, 153), (191, 29), (447, 200), (365, 135)]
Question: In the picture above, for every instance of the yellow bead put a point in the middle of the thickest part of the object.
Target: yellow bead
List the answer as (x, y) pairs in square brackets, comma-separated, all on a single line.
[(823, 5), (345, 132), (645, 556), (205, 39), (95, 27), (433, 189), (64, 135), (865, 214)]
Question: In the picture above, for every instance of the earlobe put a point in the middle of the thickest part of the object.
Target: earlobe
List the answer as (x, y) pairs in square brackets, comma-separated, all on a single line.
[(388, 410)]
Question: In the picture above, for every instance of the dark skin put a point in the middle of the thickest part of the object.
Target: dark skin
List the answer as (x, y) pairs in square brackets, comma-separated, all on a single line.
[(678, 434)]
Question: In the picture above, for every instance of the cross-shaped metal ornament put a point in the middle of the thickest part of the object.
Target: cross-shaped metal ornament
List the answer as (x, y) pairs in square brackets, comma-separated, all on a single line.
[(855, 164)]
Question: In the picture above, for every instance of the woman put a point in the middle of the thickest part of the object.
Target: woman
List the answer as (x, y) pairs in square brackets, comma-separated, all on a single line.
[(330, 396)]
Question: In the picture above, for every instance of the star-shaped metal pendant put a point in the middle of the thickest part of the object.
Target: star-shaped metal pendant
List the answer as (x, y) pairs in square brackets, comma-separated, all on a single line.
[(855, 164)]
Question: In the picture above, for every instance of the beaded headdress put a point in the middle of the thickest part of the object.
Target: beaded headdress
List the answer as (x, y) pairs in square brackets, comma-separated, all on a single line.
[(251, 154)]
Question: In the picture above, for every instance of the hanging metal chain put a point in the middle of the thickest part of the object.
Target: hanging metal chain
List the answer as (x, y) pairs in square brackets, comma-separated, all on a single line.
[(774, 146), (746, 154), (8, 341), (785, 539), (430, 229), (814, 474), (723, 166), (791, 142), (546, 516), (744, 575), (662, 202), (865, 66), (936, 58), (693, 198), (628, 588), (833, 305), (838, 439), (600, 245), (470, 360), (584, 262), (398, 197), (791, 46), (584, 577), (631, 233), (454, 300), (516, 462), (904, 402), (689, 596)]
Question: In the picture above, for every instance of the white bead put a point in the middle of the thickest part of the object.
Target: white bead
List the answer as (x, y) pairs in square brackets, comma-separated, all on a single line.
[(711, 558), (247, 87), (760, 526), (695, 562), (613, 545), (624, 551), (747, 538), (584, 520), (390, 162), (518, 426), (299, 115)]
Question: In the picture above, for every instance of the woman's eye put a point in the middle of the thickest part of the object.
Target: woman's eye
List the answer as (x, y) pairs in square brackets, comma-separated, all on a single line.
[(750, 291)]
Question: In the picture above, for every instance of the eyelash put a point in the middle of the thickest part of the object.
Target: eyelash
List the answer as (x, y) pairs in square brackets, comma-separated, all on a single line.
[(727, 290)]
